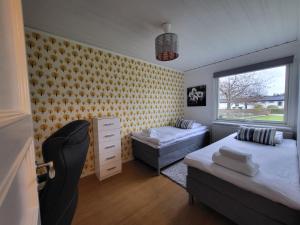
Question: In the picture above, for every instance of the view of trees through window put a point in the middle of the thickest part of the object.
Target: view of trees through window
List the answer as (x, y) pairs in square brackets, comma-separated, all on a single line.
[(253, 96)]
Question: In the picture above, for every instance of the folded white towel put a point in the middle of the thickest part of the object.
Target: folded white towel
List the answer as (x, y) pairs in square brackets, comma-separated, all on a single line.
[(248, 168), (235, 154), (151, 132)]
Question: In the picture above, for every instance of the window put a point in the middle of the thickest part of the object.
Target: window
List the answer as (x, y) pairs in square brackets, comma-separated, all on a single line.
[(255, 95)]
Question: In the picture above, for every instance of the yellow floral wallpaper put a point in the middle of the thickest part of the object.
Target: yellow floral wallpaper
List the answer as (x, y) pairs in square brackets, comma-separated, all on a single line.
[(70, 81)]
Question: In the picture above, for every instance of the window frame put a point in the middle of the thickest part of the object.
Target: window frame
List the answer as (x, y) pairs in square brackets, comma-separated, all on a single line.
[(256, 122)]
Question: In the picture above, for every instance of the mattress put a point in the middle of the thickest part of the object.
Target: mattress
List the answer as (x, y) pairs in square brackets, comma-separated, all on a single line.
[(278, 176), (168, 135)]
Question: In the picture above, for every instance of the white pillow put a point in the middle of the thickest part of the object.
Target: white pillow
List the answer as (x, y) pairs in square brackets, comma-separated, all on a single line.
[(196, 125), (278, 137)]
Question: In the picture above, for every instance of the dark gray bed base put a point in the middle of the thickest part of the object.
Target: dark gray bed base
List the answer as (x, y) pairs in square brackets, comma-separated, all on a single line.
[(241, 206), (159, 158)]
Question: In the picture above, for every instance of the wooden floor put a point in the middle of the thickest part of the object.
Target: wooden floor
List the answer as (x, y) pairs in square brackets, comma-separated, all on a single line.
[(139, 197)]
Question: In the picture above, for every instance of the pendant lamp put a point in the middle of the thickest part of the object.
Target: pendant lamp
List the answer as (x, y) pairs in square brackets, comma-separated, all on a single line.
[(166, 45)]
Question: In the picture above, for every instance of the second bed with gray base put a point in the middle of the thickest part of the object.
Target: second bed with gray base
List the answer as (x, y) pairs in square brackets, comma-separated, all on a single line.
[(239, 205), (161, 157)]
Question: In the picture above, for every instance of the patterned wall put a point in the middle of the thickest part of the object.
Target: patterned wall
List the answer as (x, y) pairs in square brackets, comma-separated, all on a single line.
[(70, 81)]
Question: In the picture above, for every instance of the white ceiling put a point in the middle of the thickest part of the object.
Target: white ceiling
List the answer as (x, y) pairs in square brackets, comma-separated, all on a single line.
[(208, 30)]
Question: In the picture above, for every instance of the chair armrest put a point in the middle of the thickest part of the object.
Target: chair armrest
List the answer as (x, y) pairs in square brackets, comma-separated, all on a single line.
[(43, 178), (50, 168)]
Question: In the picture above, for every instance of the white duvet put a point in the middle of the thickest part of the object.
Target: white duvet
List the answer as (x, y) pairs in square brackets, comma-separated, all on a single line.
[(278, 176), (167, 135)]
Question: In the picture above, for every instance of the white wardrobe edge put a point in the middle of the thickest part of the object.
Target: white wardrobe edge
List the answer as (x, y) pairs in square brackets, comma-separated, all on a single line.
[(10, 173)]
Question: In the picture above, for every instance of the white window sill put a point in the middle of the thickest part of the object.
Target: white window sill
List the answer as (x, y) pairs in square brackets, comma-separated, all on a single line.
[(278, 126)]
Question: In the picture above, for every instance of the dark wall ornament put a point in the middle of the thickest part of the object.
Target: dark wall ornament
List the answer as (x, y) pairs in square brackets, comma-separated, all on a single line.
[(196, 96)]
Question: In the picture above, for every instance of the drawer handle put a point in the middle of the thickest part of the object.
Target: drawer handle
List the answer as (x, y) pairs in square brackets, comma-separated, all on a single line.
[(109, 158), (108, 124), (109, 135), (112, 168), (110, 146)]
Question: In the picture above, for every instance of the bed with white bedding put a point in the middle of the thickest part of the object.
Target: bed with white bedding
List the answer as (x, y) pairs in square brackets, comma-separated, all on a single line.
[(167, 145), (270, 197), (168, 135)]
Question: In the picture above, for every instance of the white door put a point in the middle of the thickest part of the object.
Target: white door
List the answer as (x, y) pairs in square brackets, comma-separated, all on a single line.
[(18, 187)]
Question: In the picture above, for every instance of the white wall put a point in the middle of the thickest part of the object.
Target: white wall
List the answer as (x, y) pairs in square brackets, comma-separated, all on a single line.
[(204, 75)]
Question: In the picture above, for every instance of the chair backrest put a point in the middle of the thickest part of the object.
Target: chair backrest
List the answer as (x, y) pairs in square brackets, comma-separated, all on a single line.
[(67, 148)]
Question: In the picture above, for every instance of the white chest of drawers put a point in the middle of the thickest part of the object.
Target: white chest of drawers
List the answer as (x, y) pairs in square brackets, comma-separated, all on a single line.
[(107, 147)]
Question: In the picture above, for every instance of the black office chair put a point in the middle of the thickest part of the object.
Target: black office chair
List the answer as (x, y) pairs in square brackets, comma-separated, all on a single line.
[(64, 154)]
